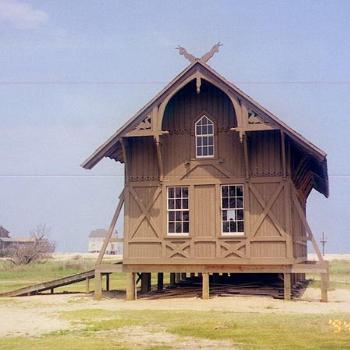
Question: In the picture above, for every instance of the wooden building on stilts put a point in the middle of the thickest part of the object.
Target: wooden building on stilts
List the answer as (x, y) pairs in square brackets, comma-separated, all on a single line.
[(214, 183)]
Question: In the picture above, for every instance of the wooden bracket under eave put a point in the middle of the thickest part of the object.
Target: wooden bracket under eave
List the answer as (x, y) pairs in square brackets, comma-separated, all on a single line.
[(159, 157), (144, 133)]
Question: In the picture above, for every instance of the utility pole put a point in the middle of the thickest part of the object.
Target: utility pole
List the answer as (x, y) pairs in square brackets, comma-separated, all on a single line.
[(323, 242)]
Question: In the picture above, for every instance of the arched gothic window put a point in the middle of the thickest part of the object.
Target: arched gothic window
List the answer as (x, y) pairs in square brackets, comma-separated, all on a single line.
[(204, 137)]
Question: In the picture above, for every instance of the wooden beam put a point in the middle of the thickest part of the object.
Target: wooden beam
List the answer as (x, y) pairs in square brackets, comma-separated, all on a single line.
[(309, 233), (107, 282), (246, 156), (130, 286), (159, 157), (205, 285), (287, 282), (160, 281), (110, 229), (172, 279), (283, 156), (324, 287), (98, 285), (145, 282)]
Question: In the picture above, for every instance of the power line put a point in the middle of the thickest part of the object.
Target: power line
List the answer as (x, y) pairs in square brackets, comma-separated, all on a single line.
[(155, 82)]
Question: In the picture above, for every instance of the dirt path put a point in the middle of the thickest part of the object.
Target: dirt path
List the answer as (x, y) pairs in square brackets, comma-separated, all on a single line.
[(38, 315)]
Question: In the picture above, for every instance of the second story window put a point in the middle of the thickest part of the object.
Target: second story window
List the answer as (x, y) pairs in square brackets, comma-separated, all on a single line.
[(204, 138), (178, 211)]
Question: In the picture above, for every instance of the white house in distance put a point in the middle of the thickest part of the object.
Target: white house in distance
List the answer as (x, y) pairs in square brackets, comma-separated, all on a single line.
[(96, 238)]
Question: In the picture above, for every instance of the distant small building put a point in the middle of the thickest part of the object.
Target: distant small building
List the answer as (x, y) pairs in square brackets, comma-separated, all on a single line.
[(96, 239), (7, 242), (4, 233)]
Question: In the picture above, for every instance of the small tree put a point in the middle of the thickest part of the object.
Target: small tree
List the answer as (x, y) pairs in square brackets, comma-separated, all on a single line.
[(39, 248)]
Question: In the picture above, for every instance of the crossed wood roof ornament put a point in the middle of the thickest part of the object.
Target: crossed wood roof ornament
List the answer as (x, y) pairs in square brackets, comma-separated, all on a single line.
[(205, 58)]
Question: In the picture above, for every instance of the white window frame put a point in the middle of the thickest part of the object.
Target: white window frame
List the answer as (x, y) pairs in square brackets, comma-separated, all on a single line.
[(197, 136), (178, 234), (222, 209)]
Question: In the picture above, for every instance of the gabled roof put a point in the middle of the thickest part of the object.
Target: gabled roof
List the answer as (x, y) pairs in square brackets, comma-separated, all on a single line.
[(105, 150)]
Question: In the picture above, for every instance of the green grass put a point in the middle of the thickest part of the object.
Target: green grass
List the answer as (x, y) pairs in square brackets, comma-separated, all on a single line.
[(246, 331), (339, 275)]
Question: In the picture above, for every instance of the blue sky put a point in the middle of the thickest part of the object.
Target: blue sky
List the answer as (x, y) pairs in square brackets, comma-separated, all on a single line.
[(71, 72)]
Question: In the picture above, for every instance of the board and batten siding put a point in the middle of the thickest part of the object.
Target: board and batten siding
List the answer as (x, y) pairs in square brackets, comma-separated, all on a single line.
[(272, 230)]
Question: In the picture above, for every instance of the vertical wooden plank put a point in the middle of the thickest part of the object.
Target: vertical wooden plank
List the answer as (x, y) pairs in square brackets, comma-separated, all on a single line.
[(205, 285), (324, 287), (107, 282), (172, 279), (218, 219), (288, 218), (130, 286), (145, 282), (191, 205), (247, 219), (287, 279), (98, 285), (160, 281)]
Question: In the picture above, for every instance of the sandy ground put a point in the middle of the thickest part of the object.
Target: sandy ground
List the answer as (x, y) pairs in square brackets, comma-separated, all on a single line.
[(19, 312)]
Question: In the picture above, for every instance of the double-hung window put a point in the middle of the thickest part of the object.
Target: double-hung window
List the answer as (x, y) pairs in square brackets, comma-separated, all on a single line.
[(178, 211), (204, 133), (232, 210)]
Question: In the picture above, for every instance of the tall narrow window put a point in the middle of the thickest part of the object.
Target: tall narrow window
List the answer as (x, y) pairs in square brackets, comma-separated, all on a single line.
[(204, 138), (232, 210), (178, 212)]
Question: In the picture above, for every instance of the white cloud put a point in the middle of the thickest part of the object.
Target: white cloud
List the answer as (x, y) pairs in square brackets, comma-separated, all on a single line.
[(21, 14)]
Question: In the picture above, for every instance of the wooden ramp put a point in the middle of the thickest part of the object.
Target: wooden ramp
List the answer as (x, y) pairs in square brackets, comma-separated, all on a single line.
[(40, 287)]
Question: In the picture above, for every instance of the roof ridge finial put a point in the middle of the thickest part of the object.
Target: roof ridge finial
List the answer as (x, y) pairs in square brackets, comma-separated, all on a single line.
[(205, 58)]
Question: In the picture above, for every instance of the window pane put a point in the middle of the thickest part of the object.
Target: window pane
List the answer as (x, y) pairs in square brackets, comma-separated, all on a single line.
[(178, 204), (171, 192), (199, 151), (210, 140), (240, 226), (186, 227), (240, 191), (232, 226), (224, 215), (239, 214), (171, 216), (205, 140), (199, 141), (184, 192), (205, 151), (171, 227), (210, 129), (198, 129), (210, 150), (171, 204), (239, 202), (186, 216), (225, 227), (178, 215), (232, 203), (224, 191), (178, 227), (204, 130), (232, 191), (178, 192), (185, 203), (225, 203)]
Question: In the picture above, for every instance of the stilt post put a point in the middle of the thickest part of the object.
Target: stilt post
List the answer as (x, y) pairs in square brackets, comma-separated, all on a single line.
[(130, 286), (287, 281), (324, 287), (107, 282), (98, 285), (160, 281), (205, 285), (172, 279)]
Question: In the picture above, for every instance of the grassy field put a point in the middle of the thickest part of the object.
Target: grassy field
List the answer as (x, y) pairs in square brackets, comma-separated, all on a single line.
[(13, 277), (102, 329), (99, 329)]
